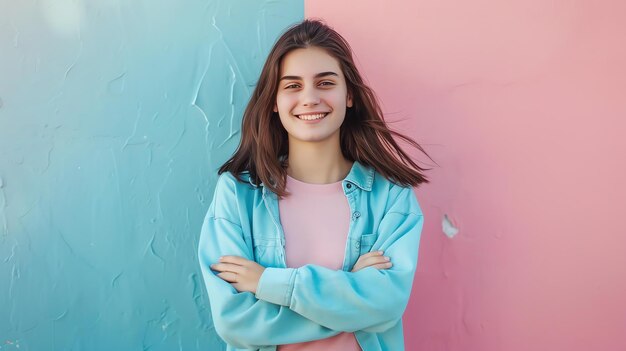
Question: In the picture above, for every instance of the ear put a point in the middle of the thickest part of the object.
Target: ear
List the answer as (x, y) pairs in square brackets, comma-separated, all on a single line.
[(275, 108), (349, 101)]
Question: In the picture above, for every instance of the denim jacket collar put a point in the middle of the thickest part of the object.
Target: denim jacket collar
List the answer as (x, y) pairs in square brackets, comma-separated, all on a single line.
[(359, 175)]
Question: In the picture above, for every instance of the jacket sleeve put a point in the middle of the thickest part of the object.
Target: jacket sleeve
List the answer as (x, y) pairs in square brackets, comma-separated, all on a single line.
[(240, 319), (370, 299)]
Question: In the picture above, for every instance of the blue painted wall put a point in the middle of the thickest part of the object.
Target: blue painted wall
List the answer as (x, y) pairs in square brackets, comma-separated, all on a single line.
[(114, 116)]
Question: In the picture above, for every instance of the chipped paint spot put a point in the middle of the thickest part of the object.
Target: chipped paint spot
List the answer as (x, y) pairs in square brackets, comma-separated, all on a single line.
[(449, 229)]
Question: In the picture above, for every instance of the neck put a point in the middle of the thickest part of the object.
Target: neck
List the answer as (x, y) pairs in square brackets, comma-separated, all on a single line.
[(317, 162)]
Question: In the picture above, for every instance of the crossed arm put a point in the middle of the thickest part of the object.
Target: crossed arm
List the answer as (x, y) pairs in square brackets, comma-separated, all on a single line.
[(244, 274), (248, 313)]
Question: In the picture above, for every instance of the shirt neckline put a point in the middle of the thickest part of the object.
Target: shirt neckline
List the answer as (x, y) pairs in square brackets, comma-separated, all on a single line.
[(295, 185)]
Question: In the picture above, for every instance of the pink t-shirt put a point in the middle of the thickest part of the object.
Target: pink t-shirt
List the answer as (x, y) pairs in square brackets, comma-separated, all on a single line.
[(316, 218)]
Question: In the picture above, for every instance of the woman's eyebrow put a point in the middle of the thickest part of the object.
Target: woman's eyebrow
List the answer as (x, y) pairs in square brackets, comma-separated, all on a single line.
[(319, 75)]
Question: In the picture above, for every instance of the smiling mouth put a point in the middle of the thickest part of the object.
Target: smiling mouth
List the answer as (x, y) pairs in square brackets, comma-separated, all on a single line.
[(312, 117)]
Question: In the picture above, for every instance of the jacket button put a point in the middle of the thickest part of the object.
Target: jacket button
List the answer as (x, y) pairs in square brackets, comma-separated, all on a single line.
[(348, 185), (356, 214), (357, 244)]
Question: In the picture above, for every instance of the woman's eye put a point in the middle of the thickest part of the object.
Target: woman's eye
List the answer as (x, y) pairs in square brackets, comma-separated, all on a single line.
[(327, 83), (291, 86)]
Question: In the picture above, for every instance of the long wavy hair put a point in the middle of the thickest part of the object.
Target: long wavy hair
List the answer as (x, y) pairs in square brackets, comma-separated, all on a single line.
[(364, 134)]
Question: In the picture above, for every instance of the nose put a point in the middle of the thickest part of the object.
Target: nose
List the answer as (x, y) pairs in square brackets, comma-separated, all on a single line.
[(310, 97)]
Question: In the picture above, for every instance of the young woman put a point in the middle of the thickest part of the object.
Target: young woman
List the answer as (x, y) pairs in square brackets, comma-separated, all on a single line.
[(311, 240)]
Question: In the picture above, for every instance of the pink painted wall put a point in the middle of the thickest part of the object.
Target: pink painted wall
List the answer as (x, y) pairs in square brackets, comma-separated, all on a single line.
[(521, 103)]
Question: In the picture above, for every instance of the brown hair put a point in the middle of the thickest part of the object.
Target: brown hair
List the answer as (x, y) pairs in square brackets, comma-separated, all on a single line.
[(364, 134)]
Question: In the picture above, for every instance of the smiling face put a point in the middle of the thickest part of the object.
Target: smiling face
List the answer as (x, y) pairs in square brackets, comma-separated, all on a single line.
[(312, 95)]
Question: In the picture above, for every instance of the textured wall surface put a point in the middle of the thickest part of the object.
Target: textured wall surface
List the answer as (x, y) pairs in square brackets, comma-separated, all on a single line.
[(114, 116), (521, 103)]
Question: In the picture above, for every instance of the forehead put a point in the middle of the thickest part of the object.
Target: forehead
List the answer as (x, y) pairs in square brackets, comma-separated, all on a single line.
[(307, 62)]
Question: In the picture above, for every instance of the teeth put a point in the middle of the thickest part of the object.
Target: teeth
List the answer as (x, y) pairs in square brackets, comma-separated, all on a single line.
[(312, 117)]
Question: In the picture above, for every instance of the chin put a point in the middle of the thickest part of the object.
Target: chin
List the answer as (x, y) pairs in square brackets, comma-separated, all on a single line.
[(313, 138)]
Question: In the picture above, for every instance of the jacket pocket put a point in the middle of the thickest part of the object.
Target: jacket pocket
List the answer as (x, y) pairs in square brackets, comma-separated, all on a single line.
[(366, 243), (265, 251)]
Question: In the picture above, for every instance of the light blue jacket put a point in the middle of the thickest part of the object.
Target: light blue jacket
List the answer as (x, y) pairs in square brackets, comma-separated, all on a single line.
[(312, 302)]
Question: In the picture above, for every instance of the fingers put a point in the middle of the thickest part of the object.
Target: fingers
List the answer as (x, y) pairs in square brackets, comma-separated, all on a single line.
[(385, 265), (230, 264), (372, 259), (226, 267), (372, 254), (234, 259), (377, 260), (228, 276)]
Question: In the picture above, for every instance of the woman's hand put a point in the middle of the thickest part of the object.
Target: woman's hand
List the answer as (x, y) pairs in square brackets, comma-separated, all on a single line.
[(241, 273), (372, 259)]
